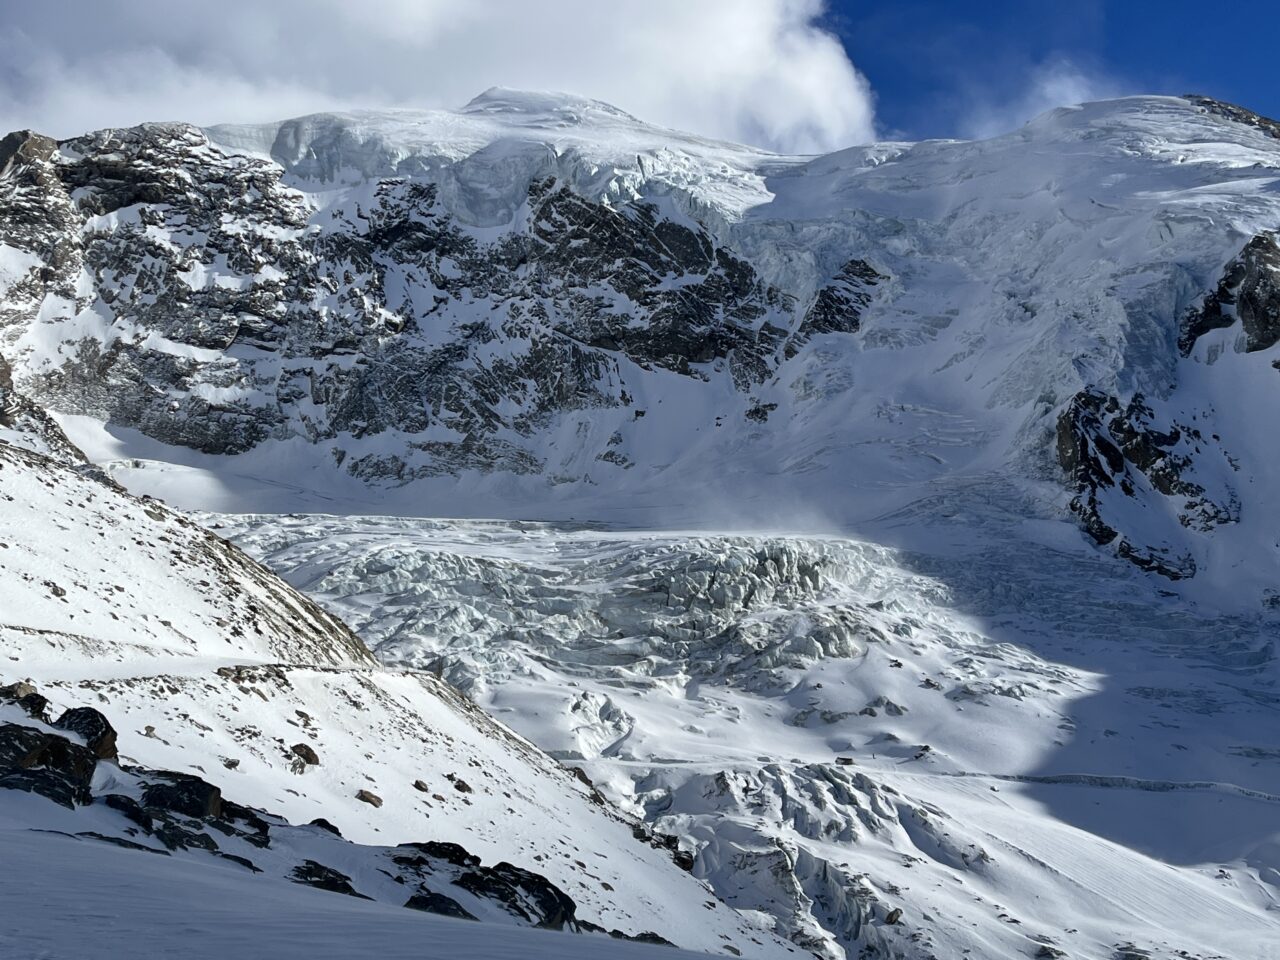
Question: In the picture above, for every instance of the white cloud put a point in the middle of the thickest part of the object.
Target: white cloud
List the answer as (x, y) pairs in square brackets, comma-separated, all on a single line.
[(761, 71), (1055, 84)]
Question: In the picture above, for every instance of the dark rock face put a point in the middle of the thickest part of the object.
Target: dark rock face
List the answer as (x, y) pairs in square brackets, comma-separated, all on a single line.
[(317, 875), (527, 895), (184, 794), (450, 853), (132, 810), (45, 764), (839, 305), (90, 724), (432, 902), (392, 316), (1122, 458), (1249, 293), (1110, 451)]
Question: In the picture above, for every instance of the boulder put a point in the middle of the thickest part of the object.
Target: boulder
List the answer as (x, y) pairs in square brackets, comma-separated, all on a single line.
[(185, 794), (372, 799), (99, 736), (525, 894), (306, 754), (14, 692), (458, 783), (451, 853), (26, 697), (432, 902), (313, 874), (45, 764)]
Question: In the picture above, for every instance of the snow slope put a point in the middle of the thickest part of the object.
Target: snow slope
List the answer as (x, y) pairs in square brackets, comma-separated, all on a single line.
[(111, 902), (209, 664)]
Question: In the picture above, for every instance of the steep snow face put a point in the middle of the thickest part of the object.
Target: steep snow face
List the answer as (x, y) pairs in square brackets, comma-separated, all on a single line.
[(487, 153), (92, 573), (209, 664), (1018, 748), (538, 306)]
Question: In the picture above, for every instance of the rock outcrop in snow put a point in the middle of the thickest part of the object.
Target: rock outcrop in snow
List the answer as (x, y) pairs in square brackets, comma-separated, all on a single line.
[(72, 762)]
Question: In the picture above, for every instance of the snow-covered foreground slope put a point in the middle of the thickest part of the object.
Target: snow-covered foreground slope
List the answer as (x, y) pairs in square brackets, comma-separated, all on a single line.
[(70, 898), (208, 664), (111, 903), (1016, 750)]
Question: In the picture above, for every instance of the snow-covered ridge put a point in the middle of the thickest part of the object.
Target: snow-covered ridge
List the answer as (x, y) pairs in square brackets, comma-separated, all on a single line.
[(503, 140)]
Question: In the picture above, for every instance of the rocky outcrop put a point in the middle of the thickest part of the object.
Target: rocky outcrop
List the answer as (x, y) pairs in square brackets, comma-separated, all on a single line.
[(236, 313), (1248, 294), (1237, 114), (176, 811), (1117, 457), (839, 305), (91, 726), (39, 762)]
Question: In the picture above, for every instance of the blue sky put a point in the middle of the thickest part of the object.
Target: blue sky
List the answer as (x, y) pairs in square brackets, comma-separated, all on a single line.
[(957, 68)]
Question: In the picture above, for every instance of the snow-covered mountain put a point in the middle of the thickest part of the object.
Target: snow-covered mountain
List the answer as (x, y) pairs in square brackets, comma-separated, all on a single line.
[(914, 558), (539, 306)]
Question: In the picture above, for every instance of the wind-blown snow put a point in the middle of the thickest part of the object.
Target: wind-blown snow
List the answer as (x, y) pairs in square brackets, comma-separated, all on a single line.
[(488, 152)]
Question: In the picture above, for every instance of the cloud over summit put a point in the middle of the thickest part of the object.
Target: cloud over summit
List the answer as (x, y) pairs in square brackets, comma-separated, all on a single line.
[(759, 71)]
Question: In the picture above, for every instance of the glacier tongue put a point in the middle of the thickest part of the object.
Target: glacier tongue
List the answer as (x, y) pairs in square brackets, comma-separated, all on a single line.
[(994, 744)]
